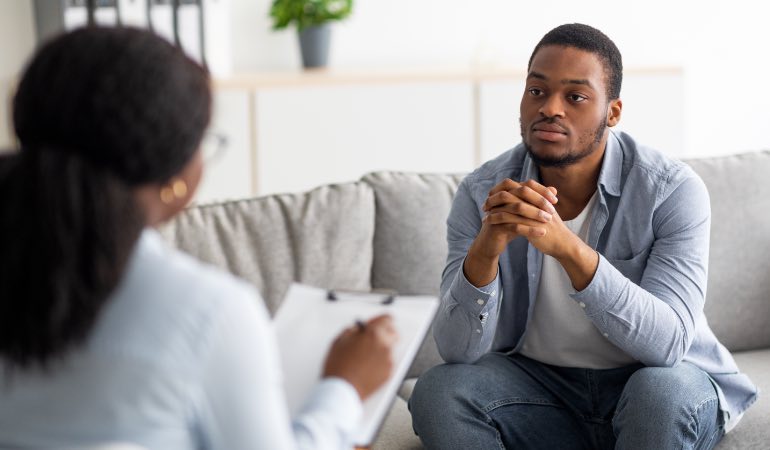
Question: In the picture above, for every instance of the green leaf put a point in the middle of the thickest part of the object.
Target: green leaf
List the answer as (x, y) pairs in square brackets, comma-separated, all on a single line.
[(308, 13)]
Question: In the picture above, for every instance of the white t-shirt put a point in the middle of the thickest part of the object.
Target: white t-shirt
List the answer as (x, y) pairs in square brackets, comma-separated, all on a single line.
[(559, 333), (182, 357)]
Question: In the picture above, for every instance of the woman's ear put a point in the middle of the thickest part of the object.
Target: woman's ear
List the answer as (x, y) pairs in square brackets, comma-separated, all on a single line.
[(614, 111), (162, 202)]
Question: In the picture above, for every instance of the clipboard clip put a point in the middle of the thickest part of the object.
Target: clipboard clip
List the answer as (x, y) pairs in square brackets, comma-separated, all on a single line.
[(389, 295)]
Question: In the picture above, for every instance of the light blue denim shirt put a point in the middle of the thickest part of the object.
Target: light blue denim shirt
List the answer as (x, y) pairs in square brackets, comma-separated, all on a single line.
[(651, 229)]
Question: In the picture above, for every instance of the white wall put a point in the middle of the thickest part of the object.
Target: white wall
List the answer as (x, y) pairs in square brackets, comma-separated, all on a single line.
[(461, 32), (721, 46), (728, 89), (16, 43)]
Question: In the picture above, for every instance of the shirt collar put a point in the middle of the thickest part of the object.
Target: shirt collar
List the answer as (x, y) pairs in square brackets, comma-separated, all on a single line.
[(612, 165)]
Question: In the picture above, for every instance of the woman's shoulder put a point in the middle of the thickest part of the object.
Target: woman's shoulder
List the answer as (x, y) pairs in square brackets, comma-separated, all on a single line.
[(157, 264), (172, 303)]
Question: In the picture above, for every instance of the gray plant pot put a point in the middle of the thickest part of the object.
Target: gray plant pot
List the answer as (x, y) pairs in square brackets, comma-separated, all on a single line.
[(314, 45)]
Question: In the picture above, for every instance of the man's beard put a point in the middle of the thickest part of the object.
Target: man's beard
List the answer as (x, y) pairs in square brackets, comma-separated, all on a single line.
[(572, 156)]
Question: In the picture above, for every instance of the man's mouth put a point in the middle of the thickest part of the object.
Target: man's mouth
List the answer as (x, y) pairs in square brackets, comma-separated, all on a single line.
[(549, 132)]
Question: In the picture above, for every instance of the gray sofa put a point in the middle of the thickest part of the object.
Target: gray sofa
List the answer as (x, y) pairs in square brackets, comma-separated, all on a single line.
[(388, 231)]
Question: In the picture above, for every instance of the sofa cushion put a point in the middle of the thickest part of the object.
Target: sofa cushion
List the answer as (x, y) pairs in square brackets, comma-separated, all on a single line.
[(752, 431), (322, 238), (738, 296), (410, 246)]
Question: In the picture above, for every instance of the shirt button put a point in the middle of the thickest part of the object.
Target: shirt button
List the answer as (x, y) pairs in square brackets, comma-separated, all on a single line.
[(605, 335), (480, 301), (494, 293), (478, 331), (582, 305)]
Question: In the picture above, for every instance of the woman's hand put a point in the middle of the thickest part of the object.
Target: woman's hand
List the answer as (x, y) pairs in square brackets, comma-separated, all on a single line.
[(363, 355)]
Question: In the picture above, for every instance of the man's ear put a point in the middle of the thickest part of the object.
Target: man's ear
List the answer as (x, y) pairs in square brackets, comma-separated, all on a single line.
[(614, 110)]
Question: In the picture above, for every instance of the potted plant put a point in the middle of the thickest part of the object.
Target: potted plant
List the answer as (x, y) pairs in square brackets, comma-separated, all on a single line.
[(312, 19)]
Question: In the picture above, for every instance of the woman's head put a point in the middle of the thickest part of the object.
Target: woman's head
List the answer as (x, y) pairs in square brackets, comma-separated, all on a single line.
[(108, 119), (122, 98)]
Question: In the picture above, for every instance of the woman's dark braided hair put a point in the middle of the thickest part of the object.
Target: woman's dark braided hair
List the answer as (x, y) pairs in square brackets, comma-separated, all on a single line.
[(98, 112)]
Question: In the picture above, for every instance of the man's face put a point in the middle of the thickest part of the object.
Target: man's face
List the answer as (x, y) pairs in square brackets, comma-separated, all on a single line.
[(564, 109)]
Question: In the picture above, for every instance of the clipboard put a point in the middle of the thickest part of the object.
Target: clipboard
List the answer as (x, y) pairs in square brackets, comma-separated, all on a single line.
[(310, 318)]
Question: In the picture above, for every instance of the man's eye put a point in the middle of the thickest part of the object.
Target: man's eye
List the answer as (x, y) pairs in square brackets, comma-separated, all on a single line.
[(535, 91), (577, 98)]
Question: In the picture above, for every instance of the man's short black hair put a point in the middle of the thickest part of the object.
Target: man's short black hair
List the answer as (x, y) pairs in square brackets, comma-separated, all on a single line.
[(590, 39)]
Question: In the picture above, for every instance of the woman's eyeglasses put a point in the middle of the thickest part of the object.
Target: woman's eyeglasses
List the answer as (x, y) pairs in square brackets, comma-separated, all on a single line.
[(213, 147)]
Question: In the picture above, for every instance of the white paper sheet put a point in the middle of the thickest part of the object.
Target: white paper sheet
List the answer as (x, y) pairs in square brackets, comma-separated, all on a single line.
[(307, 323)]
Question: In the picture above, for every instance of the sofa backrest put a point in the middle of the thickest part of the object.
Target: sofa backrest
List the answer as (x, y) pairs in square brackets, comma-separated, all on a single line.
[(322, 238), (410, 246), (738, 296), (389, 231)]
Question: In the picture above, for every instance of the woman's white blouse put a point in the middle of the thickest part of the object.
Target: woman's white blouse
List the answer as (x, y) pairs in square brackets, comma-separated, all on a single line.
[(183, 356)]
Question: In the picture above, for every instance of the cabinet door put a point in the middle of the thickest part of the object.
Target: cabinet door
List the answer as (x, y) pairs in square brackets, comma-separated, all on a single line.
[(653, 112), (308, 136), (499, 116), (229, 174)]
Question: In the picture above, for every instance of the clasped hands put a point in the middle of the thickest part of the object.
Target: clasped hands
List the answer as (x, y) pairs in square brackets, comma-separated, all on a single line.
[(527, 209), (524, 209)]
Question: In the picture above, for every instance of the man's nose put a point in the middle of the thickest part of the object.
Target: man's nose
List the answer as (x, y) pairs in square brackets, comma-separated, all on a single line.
[(553, 106)]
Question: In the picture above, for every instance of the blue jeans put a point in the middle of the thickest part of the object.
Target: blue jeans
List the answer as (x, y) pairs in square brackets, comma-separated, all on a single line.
[(511, 401)]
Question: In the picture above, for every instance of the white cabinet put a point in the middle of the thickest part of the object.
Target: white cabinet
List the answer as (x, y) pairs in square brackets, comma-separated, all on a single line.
[(293, 132), (307, 136), (230, 175), (499, 115)]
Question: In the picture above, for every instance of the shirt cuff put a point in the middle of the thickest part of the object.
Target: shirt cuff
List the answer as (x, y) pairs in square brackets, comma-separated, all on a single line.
[(604, 289), (340, 400), (474, 299)]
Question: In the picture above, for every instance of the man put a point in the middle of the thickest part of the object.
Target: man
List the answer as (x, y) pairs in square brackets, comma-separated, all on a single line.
[(572, 300)]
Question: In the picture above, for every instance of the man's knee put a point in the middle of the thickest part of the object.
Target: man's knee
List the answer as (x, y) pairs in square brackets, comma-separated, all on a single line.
[(662, 393), (451, 384), (446, 396), (673, 407), (439, 387)]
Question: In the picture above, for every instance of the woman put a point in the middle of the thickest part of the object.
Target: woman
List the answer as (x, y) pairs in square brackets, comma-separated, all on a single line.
[(106, 334)]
